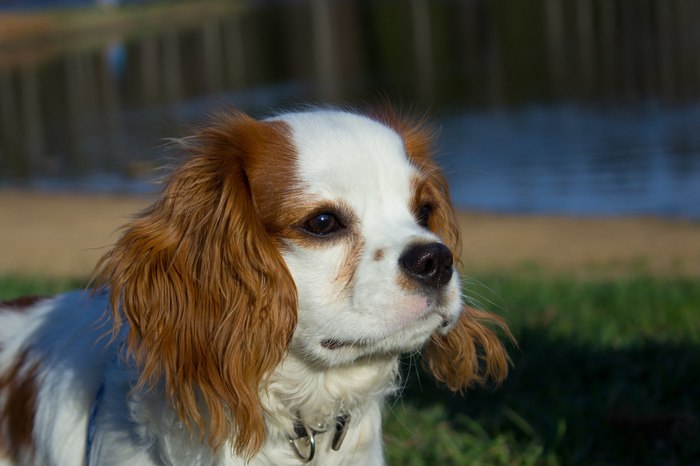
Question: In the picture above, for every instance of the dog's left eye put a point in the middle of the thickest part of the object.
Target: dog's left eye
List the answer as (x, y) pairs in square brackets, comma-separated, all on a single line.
[(324, 224)]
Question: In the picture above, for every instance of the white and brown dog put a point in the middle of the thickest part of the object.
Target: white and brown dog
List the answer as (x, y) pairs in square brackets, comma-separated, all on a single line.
[(258, 308)]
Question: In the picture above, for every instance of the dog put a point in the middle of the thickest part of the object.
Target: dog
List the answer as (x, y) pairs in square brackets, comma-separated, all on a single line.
[(256, 311)]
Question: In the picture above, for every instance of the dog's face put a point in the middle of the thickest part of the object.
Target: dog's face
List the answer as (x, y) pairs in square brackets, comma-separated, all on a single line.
[(371, 276)]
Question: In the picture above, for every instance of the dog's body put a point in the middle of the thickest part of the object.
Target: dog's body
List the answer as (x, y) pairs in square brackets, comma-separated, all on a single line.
[(262, 301)]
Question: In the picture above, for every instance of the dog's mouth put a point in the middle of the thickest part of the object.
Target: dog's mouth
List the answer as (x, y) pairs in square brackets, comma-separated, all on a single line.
[(332, 344)]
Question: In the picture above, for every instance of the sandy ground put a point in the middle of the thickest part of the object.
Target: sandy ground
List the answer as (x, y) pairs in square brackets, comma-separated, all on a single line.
[(62, 235)]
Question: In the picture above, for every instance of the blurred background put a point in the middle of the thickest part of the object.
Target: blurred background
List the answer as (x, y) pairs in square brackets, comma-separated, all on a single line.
[(579, 107), (569, 132)]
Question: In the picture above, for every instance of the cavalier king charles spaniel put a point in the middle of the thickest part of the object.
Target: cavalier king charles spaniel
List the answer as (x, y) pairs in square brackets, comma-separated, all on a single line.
[(255, 313)]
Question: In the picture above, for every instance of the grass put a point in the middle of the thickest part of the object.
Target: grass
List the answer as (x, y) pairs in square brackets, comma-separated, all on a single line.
[(12, 286), (607, 372)]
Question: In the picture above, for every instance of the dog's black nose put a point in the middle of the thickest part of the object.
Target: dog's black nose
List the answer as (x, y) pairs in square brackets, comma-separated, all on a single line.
[(428, 263)]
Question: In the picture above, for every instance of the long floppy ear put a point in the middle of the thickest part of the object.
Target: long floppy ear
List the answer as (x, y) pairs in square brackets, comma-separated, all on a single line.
[(471, 353), (210, 304)]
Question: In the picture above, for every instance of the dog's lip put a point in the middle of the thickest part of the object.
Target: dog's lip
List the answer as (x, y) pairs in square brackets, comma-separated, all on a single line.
[(333, 344)]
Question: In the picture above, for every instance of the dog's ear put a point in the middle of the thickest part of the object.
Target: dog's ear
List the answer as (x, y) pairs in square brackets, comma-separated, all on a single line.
[(209, 301), (469, 354)]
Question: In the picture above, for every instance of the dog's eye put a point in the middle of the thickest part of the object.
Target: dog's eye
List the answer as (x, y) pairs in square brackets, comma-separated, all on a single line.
[(423, 215), (324, 224)]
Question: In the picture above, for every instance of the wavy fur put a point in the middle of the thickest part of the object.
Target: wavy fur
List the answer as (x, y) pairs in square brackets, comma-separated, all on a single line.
[(196, 268)]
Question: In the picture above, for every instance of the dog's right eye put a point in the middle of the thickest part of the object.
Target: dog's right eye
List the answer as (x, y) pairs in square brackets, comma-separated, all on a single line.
[(322, 225), (423, 215)]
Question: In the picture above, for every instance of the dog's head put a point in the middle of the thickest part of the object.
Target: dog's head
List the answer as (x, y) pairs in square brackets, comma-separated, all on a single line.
[(326, 234), (368, 237)]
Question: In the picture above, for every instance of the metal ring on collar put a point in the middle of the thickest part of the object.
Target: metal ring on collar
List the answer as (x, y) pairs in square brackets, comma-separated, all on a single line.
[(309, 440)]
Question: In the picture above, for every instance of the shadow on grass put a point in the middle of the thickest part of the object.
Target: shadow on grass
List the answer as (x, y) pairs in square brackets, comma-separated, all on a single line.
[(638, 405)]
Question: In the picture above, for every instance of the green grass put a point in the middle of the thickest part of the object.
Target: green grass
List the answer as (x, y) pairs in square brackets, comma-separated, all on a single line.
[(609, 313), (12, 286), (607, 372)]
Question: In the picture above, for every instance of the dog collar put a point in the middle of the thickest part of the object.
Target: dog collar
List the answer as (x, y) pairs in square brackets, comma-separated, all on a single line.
[(306, 436)]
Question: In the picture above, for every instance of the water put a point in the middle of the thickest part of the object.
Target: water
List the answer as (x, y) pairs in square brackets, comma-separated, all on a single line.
[(577, 160), (585, 107)]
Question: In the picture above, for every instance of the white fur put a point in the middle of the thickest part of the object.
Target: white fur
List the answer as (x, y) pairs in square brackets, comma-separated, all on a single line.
[(342, 158)]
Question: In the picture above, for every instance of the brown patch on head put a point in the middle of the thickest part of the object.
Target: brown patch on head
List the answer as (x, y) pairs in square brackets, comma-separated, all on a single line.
[(273, 179), (18, 387), (430, 185), (199, 277), (21, 303)]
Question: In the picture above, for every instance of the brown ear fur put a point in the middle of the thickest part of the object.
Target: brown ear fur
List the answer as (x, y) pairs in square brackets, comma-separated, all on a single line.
[(470, 353), (209, 301)]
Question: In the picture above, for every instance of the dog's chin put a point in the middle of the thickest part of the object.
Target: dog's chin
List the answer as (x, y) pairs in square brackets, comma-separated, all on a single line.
[(334, 351)]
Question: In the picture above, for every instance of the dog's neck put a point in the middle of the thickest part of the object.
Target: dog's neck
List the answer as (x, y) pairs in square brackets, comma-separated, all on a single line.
[(302, 392)]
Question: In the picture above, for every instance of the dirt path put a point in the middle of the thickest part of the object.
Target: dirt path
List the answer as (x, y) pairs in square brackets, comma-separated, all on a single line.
[(64, 235), (598, 246)]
